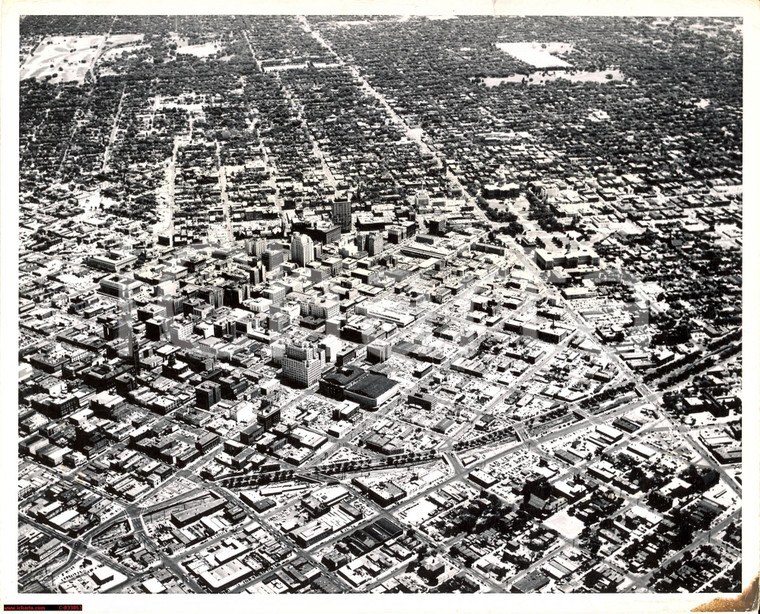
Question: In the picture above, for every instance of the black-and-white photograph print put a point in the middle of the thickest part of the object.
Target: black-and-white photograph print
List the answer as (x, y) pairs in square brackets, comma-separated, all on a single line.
[(378, 303)]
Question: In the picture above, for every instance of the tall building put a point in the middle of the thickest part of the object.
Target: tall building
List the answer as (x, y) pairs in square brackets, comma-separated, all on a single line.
[(119, 286), (438, 227), (422, 200), (374, 245), (396, 235), (180, 330), (273, 259), (341, 215), (302, 364), (255, 247), (320, 232), (208, 394), (275, 293), (301, 249), (269, 416), (257, 274), (321, 308), (157, 327), (213, 295), (378, 351), (115, 327)]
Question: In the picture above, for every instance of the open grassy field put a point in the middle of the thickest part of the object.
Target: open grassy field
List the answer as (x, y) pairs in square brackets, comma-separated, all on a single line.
[(62, 58), (68, 58), (535, 54)]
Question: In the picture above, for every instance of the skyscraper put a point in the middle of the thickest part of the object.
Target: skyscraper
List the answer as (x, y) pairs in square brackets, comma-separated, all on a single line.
[(301, 249), (374, 243), (302, 364), (341, 215), (255, 247)]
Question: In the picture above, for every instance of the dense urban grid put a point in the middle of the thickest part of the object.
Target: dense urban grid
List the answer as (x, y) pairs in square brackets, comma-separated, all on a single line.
[(379, 304)]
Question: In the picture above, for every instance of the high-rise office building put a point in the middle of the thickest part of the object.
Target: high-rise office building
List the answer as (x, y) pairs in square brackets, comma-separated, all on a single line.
[(257, 274), (301, 249), (302, 364), (374, 244), (341, 215), (274, 258), (180, 330), (208, 394), (255, 247)]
